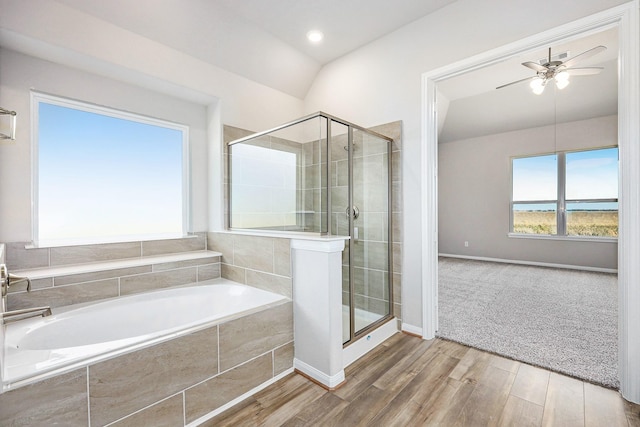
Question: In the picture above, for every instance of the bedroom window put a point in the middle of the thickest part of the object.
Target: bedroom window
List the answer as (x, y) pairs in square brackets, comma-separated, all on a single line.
[(103, 175), (566, 194)]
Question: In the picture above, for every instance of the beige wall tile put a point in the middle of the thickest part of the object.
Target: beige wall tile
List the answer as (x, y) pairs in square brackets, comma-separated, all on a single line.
[(396, 197), (231, 272), (392, 130), (90, 253), (208, 272), (231, 133), (17, 287), (283, 358), (59, 296), (187, 263), (133, 381), (397, 227), (159, 280), (19, 258), (397, 288), (397, 257), (372, 304), (397, 310), (250, 336), (41, 283), (99, 275), (169, 246), (168, 413), (253, 252), (223, 243), (376, 255), (61, 400), (282, 257), (369, 282), (205, 397), (270, 282)]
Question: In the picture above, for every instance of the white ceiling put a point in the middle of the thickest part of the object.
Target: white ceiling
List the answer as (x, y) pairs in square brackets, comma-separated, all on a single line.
[(264, 41), (347, 24), (472, 106)]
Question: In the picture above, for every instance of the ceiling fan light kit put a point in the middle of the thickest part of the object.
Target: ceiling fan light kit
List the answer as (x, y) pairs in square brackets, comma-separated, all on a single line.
[(557, 70)]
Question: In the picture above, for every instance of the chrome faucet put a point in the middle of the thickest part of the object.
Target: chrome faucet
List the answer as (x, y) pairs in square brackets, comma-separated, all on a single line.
[(13, 279), (25, 313), (6, 280)]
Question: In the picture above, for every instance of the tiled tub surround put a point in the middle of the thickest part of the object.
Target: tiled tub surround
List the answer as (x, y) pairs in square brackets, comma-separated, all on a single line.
[(75, 274), (175, 382), (75, 334), (259, 261)]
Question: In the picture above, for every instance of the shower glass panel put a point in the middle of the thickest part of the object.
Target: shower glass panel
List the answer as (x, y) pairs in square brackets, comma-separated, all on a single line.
[(322, 175), (369, 226), (276, 179)]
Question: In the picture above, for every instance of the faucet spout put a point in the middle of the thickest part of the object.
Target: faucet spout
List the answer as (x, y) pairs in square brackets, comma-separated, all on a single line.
[(25, 313)]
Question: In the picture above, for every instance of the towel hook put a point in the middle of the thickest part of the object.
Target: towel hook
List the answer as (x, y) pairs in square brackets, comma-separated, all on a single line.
[(12, 129)]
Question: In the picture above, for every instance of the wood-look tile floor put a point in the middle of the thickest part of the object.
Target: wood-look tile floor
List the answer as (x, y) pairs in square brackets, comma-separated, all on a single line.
[(408, 381)]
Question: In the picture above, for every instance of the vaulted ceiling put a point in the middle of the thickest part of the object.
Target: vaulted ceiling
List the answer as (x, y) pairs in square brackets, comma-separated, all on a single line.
[(471, 105), (264, 41)]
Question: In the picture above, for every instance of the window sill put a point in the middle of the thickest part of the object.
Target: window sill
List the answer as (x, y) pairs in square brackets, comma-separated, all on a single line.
[(123, 239), (564, 238)]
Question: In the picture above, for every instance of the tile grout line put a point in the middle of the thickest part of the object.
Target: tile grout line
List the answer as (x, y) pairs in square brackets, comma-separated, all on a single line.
[(88, 400), (184, 407)]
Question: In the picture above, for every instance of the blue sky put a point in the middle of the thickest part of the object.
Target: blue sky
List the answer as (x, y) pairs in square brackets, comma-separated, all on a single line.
[(590, 174), (123, 175)]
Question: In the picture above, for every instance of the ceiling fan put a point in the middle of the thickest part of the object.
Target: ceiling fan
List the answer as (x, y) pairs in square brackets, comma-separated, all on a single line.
[(558, 71)]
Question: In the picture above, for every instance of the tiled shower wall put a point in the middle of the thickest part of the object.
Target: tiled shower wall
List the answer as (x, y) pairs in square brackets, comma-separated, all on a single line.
[(370, 257), (370, 293)]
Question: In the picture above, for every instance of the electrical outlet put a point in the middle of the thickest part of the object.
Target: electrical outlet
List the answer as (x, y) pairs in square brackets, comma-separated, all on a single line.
[(466, 244)]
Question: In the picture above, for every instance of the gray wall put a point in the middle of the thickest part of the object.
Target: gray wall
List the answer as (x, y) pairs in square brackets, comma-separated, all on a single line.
[(474, 192)]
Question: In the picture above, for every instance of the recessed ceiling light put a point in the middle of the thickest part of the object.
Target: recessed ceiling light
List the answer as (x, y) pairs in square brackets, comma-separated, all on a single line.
[(315, 36)]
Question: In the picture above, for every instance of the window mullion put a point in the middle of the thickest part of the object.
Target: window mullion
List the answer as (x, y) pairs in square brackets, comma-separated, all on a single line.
[(562, 204)]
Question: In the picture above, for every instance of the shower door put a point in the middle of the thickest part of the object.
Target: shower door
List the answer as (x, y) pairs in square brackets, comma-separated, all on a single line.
[(367, 216)]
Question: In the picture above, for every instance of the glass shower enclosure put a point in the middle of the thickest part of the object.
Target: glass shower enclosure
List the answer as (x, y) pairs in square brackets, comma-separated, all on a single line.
[(322, 175)]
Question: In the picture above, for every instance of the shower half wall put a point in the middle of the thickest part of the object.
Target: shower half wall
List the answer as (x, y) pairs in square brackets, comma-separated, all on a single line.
[(302, 177)]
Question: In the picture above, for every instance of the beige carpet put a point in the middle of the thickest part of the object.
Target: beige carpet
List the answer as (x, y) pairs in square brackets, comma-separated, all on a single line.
[(563, 320)]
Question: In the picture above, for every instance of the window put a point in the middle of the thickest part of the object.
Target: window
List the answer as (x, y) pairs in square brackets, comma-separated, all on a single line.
[(264, 193), (566, 194), (102, 175)]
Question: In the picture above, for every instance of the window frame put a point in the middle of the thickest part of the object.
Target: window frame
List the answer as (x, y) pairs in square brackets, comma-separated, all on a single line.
[(40, 97), (561, 201)]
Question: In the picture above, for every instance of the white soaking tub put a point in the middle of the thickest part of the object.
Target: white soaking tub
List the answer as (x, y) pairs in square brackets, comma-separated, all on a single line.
[(86, 333)]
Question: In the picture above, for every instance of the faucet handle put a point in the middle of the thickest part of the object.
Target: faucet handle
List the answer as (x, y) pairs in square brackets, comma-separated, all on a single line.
[(12, 278), (4, 279)]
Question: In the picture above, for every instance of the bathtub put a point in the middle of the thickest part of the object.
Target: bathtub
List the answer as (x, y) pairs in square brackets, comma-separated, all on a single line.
[(87, 333)]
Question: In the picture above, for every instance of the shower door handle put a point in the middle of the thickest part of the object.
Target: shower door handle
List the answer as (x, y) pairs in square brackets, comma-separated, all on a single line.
[(353, 211)]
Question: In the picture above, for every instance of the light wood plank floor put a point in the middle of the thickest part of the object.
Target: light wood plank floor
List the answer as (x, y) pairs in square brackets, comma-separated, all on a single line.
[(411, 382)]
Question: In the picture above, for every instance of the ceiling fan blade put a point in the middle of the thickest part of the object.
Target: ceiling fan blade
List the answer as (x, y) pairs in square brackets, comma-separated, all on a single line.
[(584, 55), (517, 81), (586, 71), (535, 66)]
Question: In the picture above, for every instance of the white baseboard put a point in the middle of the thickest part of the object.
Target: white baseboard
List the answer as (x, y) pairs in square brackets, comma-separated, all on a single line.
[(414, 330), (329, 381), (534, 263)]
